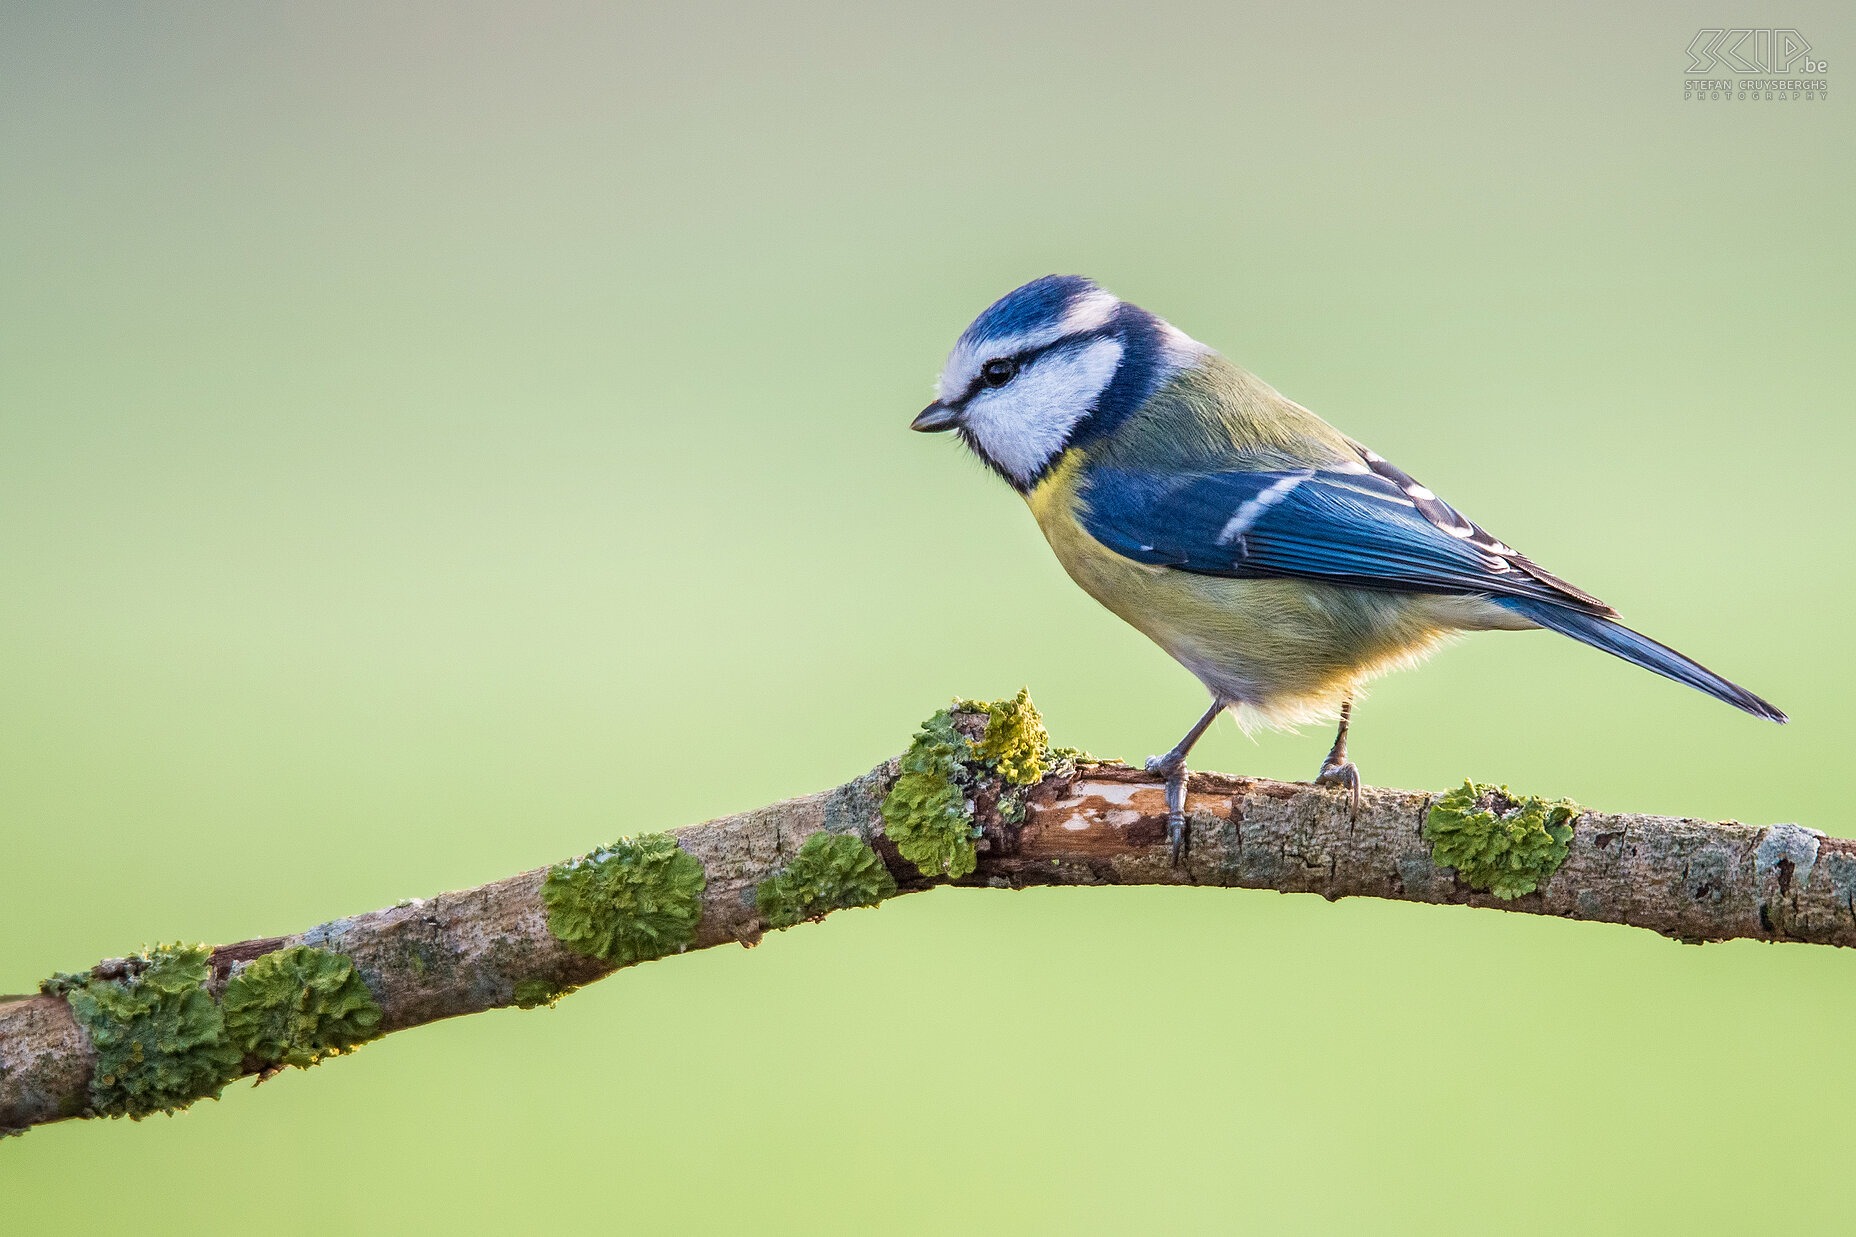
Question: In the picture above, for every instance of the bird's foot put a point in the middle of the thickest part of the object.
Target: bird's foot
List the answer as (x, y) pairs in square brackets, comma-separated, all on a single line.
[(1172, 767), (1346, 774)]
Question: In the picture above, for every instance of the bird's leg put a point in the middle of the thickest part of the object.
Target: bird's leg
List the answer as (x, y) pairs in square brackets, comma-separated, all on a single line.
[(1172, 766), (1337, 770)]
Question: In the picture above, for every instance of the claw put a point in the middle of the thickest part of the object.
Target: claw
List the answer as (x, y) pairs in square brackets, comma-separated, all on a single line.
[(1173, 768), (1343, 774)]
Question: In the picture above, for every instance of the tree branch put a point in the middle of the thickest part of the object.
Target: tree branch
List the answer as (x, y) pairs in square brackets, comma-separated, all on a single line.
[(1093, 824)]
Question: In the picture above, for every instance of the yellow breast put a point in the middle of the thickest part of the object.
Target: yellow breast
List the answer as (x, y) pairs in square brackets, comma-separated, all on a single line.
[(1292, 650)]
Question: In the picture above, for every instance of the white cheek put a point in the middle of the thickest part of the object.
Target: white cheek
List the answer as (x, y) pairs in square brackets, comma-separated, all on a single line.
[(1024, 423)]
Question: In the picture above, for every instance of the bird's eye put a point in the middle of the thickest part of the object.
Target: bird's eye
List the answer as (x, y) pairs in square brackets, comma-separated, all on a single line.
[(999, 372)]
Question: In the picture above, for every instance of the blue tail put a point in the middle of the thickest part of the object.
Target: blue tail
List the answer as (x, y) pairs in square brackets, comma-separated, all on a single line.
[(1620, 641)]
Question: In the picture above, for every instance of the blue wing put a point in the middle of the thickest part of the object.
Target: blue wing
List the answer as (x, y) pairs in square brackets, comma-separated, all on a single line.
[(1373, 529), (1364, 529)]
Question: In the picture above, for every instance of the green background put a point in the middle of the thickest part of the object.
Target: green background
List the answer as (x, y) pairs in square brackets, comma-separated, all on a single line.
[(435, 440)]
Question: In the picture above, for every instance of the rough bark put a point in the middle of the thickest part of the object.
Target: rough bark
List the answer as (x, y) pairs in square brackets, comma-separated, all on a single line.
[(461, 952)]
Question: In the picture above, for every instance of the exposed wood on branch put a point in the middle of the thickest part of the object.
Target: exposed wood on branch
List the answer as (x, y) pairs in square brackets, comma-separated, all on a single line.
[(458, 953)]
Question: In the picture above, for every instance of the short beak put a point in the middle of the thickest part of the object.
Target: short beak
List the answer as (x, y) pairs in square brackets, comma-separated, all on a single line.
[(935, 418)]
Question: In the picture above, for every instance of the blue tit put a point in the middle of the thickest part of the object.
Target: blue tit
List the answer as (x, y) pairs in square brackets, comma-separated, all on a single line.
[(1274, 557)]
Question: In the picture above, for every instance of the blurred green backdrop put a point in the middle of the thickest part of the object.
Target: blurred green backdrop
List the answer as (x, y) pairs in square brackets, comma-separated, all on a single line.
[(437, 439)]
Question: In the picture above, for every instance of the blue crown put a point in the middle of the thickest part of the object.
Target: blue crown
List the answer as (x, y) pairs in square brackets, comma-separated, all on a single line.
[(1038, 305)]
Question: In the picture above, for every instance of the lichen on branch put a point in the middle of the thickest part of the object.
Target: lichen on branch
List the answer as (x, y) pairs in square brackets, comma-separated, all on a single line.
[(638, 899), (298, 1006), (160, 1038), (969, 747), (928, 814), (831, 871), (146, 1034), (1506, 845)]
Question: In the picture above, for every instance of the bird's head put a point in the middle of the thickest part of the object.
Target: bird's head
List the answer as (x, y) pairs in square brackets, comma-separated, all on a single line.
[(1046, 367)]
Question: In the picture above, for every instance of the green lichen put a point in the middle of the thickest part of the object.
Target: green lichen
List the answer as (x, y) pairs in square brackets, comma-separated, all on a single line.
[(831, 871), (969, 747), (534, 993), (927, 812), (1496, 842), (638, 899), (1015, 742), (160, 1037), (298, 1006)]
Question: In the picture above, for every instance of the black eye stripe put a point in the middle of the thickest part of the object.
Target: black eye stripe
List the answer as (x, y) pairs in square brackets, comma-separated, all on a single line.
[(1024, 359)]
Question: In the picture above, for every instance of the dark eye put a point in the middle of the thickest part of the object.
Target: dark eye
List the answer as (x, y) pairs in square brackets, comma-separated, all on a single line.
[(998, 373)]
